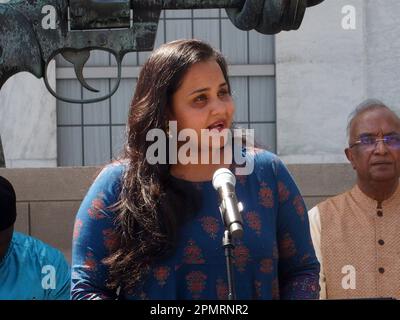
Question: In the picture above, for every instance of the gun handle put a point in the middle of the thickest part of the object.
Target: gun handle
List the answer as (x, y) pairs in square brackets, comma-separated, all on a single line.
[(19, 50)]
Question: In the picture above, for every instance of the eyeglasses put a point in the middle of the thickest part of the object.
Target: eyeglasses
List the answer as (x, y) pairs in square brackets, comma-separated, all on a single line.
[(369, 142)]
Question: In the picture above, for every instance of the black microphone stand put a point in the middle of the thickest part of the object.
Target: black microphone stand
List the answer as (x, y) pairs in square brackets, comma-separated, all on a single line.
[(228, 246)]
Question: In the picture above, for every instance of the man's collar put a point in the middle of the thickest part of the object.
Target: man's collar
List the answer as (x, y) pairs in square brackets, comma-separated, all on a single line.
[(366, 201)]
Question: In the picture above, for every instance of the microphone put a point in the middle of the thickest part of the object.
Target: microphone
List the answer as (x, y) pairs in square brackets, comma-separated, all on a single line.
[(224, 182)]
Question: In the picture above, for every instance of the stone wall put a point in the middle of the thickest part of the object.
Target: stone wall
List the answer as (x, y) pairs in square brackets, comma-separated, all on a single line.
[(48, 199)]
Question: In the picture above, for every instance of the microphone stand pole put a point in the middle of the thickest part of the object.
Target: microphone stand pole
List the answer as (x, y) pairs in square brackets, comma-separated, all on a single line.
[(228, 246)]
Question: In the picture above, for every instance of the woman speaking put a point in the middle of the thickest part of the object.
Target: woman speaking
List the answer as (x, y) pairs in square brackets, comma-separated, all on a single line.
[(153, 230)]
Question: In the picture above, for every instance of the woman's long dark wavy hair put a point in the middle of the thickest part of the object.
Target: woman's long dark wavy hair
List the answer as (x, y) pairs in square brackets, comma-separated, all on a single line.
[(151, 209)]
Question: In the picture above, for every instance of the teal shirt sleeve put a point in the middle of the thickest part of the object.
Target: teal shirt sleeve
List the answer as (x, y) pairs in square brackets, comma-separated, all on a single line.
[(62, 289), (33, 270)]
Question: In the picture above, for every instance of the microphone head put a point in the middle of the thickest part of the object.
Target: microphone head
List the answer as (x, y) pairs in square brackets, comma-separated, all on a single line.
[(222, 177)]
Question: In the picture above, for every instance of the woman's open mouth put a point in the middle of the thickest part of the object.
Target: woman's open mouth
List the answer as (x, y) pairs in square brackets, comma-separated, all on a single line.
[(218, 125)]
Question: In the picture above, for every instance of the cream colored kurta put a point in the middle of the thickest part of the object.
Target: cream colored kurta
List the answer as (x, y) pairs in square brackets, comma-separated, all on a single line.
[(358, 245)]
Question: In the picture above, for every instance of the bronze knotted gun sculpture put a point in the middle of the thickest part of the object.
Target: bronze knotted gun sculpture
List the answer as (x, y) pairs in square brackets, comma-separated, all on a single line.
[(33, 32)]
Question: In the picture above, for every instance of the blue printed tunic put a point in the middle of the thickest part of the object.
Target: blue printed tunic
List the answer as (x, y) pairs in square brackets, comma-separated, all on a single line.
[(275, 259)]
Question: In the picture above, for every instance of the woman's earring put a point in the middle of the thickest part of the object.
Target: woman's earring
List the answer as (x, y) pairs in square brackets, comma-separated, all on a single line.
[(168, 132)]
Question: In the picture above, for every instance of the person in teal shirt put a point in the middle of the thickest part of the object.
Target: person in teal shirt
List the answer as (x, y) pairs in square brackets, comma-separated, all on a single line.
[(29, 268)]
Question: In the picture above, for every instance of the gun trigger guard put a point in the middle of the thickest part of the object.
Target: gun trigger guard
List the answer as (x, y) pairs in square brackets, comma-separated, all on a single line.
[(83, 101), (79, 59)]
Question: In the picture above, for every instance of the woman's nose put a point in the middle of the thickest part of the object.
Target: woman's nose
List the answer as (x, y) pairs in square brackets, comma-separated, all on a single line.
[(218, 107)]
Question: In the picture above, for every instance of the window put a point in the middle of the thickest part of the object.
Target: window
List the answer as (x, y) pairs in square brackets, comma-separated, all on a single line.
[(92, 134)]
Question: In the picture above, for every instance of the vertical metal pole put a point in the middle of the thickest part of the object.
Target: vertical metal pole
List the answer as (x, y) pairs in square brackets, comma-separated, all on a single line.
[(228, 247)]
